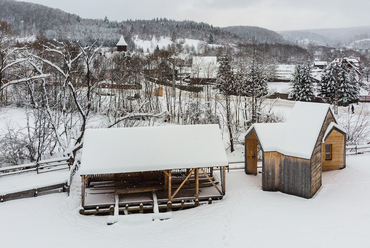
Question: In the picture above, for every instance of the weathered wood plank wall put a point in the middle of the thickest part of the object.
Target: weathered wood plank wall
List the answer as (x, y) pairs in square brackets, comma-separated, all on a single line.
[(316, 158)]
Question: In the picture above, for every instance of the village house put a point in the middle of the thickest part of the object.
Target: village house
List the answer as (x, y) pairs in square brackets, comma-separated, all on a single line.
[(146, 169), (295, 153)]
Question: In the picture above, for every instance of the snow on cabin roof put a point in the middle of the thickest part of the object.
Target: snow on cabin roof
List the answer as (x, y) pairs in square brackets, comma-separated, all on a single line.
[(124, 150), (298, 136), (122, 42), (330, 127)]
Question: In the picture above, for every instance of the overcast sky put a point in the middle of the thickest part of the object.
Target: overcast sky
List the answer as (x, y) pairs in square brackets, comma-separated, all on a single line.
[(276, 15)]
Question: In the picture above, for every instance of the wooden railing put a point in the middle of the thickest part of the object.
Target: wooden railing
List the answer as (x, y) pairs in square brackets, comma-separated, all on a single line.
[(357, 149), (35, 191), (40, 167)]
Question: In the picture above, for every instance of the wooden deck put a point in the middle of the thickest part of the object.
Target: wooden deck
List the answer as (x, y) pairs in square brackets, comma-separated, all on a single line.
[(183, 190)]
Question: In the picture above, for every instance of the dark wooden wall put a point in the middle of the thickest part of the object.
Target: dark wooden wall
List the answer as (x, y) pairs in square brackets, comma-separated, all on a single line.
[(270, 171), (316, 158), (295, 176)]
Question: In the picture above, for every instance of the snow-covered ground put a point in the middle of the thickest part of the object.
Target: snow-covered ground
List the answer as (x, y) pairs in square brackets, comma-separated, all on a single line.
[(338, 216)]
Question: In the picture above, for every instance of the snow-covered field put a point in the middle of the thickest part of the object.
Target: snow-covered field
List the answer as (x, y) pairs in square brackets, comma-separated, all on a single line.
[(338, 216)]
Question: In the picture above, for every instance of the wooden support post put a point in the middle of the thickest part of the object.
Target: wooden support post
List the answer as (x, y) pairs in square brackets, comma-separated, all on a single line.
[(197, 183), (169, 185), (211, 179), (178, 189), (224, 180), (211, 172), (141, 208), (83, 190)]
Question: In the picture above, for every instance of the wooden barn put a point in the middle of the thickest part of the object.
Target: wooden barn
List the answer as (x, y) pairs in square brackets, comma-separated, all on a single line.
[(142, 168), (122, 45), (295, 153)]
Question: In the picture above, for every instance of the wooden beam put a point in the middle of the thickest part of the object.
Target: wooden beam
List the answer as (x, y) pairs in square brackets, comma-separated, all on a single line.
[(211, 180), (197, 183), (83, 191), (138, 190), (169, 185), (224, 180), (85, 178), (191, 172)]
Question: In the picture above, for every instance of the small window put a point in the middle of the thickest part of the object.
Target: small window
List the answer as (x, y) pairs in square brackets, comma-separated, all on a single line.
[(328, 152)]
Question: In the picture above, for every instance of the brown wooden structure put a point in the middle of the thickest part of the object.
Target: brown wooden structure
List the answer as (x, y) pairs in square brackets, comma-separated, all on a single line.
[(293, 158), (182, 183), (122, 45)]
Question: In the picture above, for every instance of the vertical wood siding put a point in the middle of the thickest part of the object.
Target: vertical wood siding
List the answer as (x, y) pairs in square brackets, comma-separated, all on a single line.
[(251, 154), (295, 176), (337, 140), (316, 159)]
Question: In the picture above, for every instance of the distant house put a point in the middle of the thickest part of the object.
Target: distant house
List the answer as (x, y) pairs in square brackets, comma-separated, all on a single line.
[(204, 67), (351, 63), (122, 45), (320, 65), (295, 153), (284, 72), (136, 169)]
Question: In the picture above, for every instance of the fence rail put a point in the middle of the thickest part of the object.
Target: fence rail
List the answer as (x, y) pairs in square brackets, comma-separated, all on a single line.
[(360, 149), (33, 192), (42, 166)]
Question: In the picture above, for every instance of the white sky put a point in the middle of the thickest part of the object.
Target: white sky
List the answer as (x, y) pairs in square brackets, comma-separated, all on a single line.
[(276, 15)]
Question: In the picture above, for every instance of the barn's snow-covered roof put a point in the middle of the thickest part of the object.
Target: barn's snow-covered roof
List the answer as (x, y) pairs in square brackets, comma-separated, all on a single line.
[(298, 136), (122, 42), (123, 150)]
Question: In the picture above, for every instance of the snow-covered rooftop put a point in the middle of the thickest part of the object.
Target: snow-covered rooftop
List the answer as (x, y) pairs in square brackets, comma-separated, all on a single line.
[(123, 150), (122, 41), (296, 137)]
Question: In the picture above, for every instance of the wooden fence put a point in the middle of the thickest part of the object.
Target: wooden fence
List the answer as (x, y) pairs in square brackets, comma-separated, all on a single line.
[(357, 149), (47, 165), (33, 192)]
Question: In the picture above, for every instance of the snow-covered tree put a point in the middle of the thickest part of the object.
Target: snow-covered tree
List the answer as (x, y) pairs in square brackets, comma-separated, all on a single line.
[(225, 82), (251, 81), (302, 84), (338, 82)]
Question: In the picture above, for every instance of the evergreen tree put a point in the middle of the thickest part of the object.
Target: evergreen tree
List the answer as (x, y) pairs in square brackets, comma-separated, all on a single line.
[(226, 84), (338, 78), (302, 84)]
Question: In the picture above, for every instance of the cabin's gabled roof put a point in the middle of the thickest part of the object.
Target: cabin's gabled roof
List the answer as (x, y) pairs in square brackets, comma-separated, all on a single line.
[(330, 128), (298, 136), (122, 42), (124, 150)]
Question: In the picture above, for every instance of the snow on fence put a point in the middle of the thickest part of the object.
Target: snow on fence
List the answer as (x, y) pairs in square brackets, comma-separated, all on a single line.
[(40, 167), (357, 149)]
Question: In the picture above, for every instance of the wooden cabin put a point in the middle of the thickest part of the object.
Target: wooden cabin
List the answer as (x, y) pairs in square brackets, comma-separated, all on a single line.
[(295, 153), (172, 167), (122, 45)]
